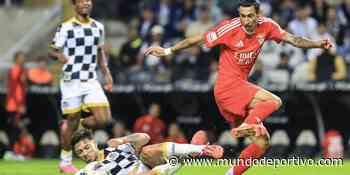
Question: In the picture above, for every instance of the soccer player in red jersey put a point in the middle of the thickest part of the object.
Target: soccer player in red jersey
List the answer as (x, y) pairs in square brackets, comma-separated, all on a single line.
[(239, 101)]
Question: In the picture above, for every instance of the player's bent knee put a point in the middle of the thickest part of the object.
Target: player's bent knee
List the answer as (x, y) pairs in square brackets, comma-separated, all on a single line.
[(152, 155)]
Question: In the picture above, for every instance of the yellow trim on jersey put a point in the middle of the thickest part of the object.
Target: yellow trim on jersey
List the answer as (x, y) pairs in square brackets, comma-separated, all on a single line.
[(157, 171), (94, 105), (55, 47), (164, 148), (71, 111), (100, 155), (75, 20)]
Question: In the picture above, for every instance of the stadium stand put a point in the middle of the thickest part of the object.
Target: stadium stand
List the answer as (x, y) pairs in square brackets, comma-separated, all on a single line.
[(230, 144), (306, 145), (280, 144), (49, 144), (347, 154)]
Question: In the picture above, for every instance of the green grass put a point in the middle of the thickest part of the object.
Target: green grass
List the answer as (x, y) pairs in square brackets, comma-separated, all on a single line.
[(49, 167)]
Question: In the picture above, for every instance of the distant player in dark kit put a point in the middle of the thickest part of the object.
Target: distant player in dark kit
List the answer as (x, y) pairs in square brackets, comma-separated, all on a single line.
[(239, 101), (78, 44)]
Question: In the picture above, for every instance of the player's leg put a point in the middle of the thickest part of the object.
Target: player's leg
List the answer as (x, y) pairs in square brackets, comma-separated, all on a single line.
[(255, 150), (97, 103), (261, 106), (71, 110), (156, 155), (100, 117), (153, 155)]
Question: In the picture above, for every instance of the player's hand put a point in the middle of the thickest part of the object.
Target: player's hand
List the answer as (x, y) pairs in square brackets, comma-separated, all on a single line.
[(115, 142), (109, 83), (326, 44), (156, 51)]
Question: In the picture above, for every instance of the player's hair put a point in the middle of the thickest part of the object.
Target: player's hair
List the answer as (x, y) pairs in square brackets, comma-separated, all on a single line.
[(81, 135), (248, 3), (74, 1)]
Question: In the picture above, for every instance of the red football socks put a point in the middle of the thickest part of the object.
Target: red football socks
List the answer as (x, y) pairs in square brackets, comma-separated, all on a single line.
[(261, 111), (253, 151)]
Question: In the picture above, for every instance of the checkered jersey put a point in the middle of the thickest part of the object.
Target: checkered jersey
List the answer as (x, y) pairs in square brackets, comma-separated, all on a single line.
[(119, 161), (80, 43)]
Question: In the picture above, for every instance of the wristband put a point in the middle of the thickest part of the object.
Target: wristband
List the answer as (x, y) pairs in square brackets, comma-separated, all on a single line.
[(168, 51)]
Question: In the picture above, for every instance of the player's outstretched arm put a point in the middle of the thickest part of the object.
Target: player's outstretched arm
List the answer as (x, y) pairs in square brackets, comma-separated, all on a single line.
[(101, 60), (56, 53), (186, 43), (137, 140), (302, 42)]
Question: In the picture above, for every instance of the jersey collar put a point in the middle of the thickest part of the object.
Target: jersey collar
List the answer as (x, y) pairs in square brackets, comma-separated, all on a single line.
[(75, 20)]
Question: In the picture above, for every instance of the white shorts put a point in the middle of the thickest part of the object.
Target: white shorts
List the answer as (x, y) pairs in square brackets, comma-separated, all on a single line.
[(77, 95)]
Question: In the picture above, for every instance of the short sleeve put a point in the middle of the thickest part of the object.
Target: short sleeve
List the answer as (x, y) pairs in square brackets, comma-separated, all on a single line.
[(60, 38), (127, 148), (216, 36), (102, 34), (276, 32)]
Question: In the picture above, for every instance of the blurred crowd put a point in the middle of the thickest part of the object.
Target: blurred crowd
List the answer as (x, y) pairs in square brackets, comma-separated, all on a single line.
[(11, 2), (165, 22)]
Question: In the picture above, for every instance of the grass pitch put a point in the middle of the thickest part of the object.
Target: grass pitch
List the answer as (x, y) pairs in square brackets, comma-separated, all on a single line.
[(49, 167)]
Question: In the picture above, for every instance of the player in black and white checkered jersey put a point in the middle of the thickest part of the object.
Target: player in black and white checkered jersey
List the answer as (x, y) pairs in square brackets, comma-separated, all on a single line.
[(121, 159), (128, 155), (78, 44)]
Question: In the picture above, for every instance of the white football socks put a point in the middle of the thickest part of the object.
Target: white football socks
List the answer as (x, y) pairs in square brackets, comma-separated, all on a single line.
[(175, 149), (66, 157)]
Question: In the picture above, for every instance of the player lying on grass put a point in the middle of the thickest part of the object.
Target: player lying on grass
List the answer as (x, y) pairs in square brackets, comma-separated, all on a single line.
[(128, 155)]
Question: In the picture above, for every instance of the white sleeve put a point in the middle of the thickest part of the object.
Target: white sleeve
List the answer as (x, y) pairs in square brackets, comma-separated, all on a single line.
[(127, 148), (60, 37)]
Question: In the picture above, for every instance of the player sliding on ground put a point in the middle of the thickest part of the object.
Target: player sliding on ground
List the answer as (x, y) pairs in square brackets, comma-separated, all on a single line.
[(127, 156), (241, 103)]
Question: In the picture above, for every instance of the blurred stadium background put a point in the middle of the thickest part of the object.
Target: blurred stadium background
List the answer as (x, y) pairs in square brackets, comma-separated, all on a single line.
[(178, 91)]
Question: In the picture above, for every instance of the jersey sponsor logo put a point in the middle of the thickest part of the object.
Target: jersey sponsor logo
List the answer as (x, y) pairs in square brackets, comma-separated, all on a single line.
[(246, 58), (211, 37)]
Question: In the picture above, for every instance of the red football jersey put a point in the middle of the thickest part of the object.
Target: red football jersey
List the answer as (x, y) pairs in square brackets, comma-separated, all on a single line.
[(239, 50)]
